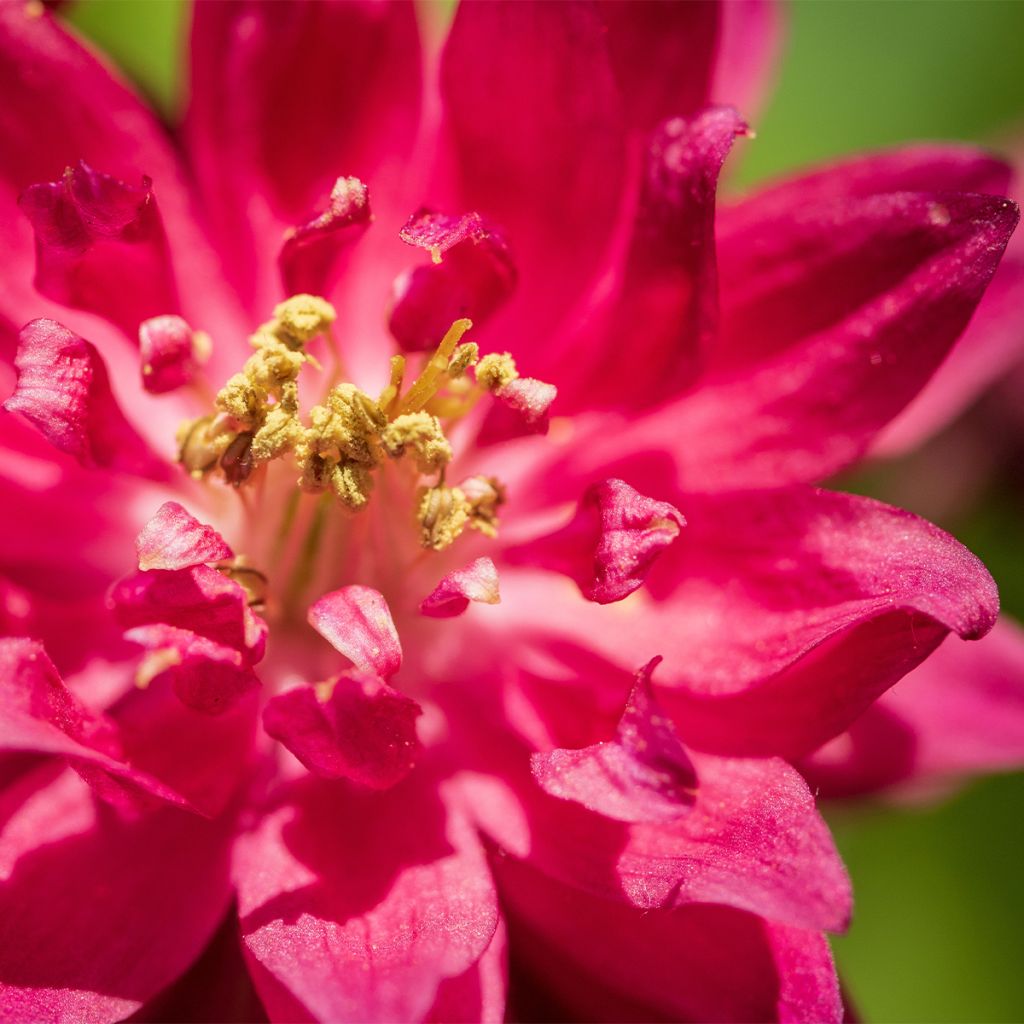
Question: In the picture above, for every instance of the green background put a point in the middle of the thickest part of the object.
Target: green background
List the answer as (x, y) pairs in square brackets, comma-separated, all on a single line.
[(939, 890)]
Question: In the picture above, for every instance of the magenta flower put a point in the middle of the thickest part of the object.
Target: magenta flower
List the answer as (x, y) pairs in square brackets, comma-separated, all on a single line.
[(499, 534)]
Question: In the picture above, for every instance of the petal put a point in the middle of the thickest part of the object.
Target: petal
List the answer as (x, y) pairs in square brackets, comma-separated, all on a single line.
[(311, 91), (364, 730), (611, 543), (479, 995), (65, 958), (660, 325), (169, 352), (642, 775), (356, 620), (309, 258), (832, 318), (751, 840), (64, 391), (958, 714), (583, 958), (472, 275), (478, 581), (101, 246), (362, 923), (175, 539)]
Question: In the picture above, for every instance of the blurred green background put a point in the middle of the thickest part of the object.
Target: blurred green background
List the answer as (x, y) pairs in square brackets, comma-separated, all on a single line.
[(940, 889)]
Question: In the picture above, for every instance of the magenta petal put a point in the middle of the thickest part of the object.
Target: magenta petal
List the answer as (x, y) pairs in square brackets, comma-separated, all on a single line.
[(530, 399), (356, 620), (175, 539), (472, 275), (642, 774), (611, 544), (479, 995), (168, 352), (357, 905), (364, 730), (583, 958), (959, 713), (478, 581), (101, 247), (64, 391), (60, 960), (311, 251)]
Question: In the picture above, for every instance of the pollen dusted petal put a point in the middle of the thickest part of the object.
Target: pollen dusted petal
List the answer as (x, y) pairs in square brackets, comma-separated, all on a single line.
[(101, 247), (175, 539), (471, 275), (64, 391), (642, 774), (310, 254), (610, 545), (530, 399), (478, 581), (170, 353), (364, 731), (356, 620)]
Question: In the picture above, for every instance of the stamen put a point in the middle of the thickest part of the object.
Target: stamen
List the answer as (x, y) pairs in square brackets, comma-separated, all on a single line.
[(433, 374), (443, 513), (495, 371), (420, 433)]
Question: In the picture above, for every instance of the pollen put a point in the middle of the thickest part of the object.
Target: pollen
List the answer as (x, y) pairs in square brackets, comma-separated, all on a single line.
[(342, 444)]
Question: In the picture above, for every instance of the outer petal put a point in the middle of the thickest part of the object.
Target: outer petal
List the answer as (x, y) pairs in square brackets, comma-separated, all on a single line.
[(959, 713), (64, 391), (357, 621), (582, 958), (61, 957), (285, 97), (356, 907), (364, 730), (478, 581)]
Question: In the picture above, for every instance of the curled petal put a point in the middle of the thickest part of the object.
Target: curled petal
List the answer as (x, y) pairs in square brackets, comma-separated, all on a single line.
[(642, 774), (364, 730), (478, 581), (175, 539), (170, 352), (356, 620), (101, 247), (530, 399), (64, 391), (472, 275), (611, 544), (311, 251)]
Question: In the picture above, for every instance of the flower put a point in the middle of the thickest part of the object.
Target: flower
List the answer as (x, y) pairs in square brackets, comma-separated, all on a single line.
[(484, 764)]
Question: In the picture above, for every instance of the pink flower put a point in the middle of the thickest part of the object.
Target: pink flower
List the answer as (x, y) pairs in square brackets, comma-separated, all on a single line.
[(473, 770)]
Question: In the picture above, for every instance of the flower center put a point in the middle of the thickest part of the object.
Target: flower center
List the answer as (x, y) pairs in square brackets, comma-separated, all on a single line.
[(349, 446)]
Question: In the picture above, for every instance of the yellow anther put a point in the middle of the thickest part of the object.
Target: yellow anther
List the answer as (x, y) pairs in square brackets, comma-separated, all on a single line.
[(484, 495), (273, 365), (202, 442), (280, 433), (465, 356), (420, 434), (496, 370), (243, 399), (435, 372), (443, 514), (352, 484), (302, 317)]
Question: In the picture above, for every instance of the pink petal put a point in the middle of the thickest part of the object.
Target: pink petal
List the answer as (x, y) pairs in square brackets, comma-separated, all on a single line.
[(64, 391), (959, 713), (478, 581), (834, 314), (530, 400), (62, 958), (339, 78), (364, 730), (641, 774), (583, 958), (175, 539), (611, 544), (357, 905), (168, 353), (310, 254), (480, 994), (662, 323), (356, 620), (101, 246), (472, 275)]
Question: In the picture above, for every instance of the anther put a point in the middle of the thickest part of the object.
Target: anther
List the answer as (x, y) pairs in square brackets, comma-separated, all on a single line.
[(495, 371)]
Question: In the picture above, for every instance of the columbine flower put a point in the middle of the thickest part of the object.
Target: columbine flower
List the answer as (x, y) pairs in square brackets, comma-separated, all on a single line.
[(500, 482)]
